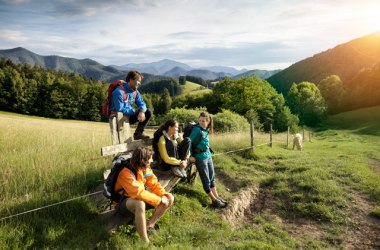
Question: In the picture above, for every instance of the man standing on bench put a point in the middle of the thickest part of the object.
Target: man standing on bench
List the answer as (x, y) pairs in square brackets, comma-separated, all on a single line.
[(125, 105)]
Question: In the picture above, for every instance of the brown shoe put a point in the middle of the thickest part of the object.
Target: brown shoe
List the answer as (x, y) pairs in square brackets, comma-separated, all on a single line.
[(218, 204), (140, 136)]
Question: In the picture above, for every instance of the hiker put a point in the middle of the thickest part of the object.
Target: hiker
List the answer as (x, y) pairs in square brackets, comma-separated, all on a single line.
[(201, 155), (142, 115), (173, 150), (297, 141), (136, 199)]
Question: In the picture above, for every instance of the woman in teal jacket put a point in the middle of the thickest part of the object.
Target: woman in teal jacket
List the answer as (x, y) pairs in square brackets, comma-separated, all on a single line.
[(201, 155)]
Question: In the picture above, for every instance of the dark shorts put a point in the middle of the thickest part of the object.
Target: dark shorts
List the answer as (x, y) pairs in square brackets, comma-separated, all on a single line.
[(123, 210)]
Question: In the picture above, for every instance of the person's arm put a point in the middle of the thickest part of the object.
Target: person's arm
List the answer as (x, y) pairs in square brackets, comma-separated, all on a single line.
[(136, 190), (118, 100), (153, 184), (194, 136), (140, 102), (164, 154), (119, 104)]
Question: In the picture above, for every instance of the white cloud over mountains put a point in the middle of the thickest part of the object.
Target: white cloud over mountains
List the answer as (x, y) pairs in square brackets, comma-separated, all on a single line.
[(239, 33)]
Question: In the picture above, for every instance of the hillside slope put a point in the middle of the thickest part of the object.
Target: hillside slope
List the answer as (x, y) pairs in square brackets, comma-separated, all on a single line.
[(86, 67), (345, 60), (364, 121)]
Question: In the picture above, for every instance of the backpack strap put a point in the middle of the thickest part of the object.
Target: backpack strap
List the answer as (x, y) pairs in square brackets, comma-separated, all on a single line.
[(124, 92)]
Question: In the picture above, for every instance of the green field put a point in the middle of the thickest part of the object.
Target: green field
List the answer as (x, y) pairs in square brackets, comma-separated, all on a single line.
[(194, 89), (325, 197)]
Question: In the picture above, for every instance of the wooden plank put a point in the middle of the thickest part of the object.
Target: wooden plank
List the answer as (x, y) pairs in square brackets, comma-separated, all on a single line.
[(125, 147)]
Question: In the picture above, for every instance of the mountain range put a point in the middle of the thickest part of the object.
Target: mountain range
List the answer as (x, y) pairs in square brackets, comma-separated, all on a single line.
[(95, 70)]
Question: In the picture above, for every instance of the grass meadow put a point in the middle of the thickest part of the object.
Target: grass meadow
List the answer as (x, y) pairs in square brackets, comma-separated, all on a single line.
[(327, 196), (191, 88)]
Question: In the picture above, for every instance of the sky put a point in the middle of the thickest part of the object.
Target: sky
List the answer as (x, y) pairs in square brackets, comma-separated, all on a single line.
[(251, 34)]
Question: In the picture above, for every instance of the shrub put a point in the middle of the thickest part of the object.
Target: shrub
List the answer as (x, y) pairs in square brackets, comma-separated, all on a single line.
[(182, 115), (227, 121)]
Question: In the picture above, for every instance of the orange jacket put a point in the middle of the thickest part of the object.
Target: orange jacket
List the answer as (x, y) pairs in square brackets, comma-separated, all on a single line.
[(135, 187)]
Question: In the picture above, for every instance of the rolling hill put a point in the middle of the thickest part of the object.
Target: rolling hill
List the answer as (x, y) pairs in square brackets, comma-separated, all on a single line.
[(345, 60), (262, 74), (86, 67)]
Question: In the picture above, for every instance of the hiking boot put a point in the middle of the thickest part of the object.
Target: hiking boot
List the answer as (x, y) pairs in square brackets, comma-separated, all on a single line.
[(177, 172), (218, 204), (222, 200), (140, 136), (183, 171)]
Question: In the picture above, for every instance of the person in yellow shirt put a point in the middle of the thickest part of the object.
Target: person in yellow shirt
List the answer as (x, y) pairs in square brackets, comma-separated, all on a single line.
[(131, 184), (173, 150)]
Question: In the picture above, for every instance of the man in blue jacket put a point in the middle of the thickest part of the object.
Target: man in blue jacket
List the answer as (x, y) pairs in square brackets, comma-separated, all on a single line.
[(125, 105)]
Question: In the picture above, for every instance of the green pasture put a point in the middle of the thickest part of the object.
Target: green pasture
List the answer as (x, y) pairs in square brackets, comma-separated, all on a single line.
[(194, 89), (305, 200)]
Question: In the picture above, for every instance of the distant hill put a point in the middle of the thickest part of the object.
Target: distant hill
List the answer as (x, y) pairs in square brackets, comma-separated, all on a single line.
[(345, 60), (156, 68), (90, 68), (86, 67), (228, 70), (207, 74), (262, 74), (176, 72)]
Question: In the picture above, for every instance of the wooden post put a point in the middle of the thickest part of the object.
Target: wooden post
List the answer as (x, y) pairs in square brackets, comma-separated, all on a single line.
[(270, 138), (287, 138), (252, 129), (309, 136), (120, 129), (303, 133)]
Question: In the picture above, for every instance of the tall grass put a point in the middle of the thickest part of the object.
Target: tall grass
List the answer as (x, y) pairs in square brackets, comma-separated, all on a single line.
[(44, 161)]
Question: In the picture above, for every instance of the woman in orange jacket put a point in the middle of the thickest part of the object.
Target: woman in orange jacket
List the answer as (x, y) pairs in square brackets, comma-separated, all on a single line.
[(132, 182)]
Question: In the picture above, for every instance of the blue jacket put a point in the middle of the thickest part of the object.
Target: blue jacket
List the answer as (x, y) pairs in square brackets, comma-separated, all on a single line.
[(204, 143), (126, 107)]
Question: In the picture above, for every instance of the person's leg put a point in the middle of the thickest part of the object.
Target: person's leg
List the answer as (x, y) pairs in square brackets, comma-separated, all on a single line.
[(184, 148), (211, 171), (160, 210), (138, 208), (204, 175), (139, 132)]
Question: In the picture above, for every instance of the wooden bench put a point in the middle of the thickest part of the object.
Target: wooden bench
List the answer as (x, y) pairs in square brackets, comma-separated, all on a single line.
[(123, 144)]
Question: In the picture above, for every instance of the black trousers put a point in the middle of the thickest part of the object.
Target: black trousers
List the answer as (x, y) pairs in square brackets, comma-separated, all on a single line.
[(141, 125), (183, 151)]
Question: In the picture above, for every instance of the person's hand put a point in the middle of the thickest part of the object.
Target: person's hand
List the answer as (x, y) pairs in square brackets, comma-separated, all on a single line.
[(192, 159), (183, 164), (141, 117), (164, 200)]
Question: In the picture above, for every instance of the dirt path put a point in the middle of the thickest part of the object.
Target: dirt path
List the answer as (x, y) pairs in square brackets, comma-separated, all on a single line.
[(362, 230)]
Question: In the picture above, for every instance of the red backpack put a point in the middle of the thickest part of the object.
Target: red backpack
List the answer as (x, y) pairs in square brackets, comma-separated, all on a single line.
[(106, 107)]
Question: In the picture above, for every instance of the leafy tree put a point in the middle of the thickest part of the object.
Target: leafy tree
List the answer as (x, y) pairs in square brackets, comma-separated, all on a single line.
[(305, 100), (164, 103), (182, 80), (158, 86), (333, 91), (247, 94)]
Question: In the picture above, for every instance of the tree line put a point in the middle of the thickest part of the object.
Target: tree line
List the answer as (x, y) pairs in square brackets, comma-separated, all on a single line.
[(49, 93)]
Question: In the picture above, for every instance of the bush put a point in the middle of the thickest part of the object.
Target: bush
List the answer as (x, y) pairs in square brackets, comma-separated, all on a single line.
[(227, 121), (182, 115)]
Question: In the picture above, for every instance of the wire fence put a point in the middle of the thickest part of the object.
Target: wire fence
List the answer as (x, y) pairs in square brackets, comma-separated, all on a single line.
[(253, 146)]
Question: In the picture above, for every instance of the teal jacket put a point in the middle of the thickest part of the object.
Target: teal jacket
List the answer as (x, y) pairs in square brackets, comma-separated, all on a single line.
[(203, 145)]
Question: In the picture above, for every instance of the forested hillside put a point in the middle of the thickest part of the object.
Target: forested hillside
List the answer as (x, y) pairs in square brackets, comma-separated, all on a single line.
[(48, 93), (348, 75), (345, 60)]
